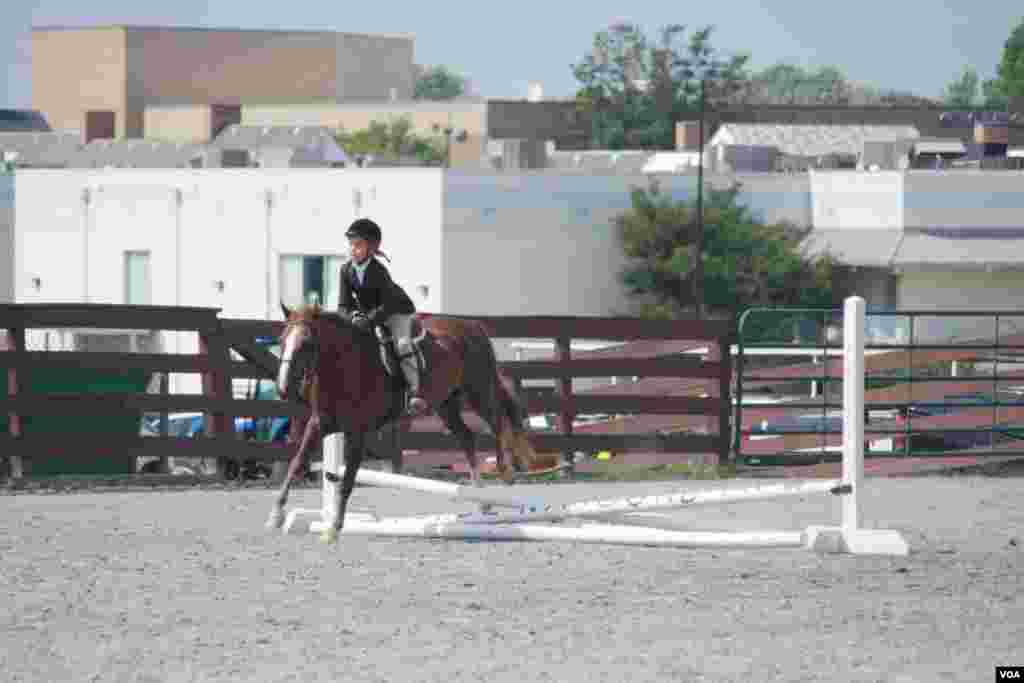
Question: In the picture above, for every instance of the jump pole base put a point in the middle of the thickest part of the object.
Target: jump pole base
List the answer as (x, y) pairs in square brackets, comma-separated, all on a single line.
[(836, 540)]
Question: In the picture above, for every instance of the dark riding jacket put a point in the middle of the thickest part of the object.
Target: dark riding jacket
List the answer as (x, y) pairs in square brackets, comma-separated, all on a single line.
[(378, 297)]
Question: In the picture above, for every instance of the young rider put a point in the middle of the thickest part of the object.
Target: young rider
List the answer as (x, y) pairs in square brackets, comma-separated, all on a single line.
[(369, 297)]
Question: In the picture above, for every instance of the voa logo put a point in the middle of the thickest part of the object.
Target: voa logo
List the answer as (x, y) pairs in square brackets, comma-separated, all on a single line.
[(1009, 675)]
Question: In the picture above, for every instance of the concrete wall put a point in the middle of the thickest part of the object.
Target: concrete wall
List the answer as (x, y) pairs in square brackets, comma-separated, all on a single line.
[(964, 199), (126, 69), (374, 67), (173, 65), (76, 70), (545, 243), (561, 121), (186, 123), (468, 116), (6, 238), (857, 200), (210, 65)]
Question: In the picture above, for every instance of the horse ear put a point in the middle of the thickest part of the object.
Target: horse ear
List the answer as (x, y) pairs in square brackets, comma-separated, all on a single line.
[(287, 313)]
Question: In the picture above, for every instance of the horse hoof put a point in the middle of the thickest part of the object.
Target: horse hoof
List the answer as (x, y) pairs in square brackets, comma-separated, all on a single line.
[(329, 536), (275, 520)]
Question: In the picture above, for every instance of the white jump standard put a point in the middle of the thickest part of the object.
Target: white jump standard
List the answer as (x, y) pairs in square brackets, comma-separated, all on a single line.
[(530, 520)]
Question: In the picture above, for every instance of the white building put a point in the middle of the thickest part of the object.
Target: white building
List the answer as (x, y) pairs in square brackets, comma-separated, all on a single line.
[(6, 236), (244, 239), (929, 240)]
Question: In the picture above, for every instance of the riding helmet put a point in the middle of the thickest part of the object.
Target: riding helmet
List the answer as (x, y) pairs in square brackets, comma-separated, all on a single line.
[(364, 228)]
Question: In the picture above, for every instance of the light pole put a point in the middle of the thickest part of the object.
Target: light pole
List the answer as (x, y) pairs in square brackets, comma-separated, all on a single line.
[(698, 271), (704, 69)]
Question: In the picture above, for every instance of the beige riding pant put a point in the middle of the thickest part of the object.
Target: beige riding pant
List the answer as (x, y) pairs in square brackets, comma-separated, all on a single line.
[(400, 325)]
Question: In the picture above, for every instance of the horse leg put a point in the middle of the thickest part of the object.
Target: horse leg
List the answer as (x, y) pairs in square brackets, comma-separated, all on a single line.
[(296, 465), (487, 409), (451, 412), (355, 448)]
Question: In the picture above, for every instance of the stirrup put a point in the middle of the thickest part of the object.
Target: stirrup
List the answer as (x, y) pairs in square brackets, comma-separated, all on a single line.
[(416, 405)]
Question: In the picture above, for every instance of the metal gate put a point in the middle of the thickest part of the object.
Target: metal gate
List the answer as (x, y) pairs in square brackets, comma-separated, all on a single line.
[(938, 383)]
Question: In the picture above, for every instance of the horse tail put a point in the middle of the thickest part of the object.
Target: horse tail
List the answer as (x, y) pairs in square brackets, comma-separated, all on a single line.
[(511, 414)]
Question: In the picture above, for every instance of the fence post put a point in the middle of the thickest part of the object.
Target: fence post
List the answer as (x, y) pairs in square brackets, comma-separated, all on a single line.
[(725, 426), (166, 461), (15, 342), (563, 353), (217, 385)]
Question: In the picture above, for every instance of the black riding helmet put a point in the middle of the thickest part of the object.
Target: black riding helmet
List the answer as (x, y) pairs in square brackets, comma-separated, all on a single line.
[(364, 228)]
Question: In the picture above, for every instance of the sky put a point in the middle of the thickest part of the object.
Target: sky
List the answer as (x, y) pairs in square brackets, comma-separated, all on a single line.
[(910, 45)]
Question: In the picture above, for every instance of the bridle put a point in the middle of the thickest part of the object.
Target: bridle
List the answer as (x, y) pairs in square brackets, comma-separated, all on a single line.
[(314, 342)]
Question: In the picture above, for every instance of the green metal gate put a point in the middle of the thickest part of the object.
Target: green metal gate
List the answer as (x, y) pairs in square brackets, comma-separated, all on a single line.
[(938, 383)]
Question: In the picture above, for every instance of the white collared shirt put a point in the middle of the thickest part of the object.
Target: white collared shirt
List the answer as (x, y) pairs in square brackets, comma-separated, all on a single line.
[(361, 269)]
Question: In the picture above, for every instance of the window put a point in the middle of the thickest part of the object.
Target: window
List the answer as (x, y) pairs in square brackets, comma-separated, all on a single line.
[(308, 279), (137, 282)]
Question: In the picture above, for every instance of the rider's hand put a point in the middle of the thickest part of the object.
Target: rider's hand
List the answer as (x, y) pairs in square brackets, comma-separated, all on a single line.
[(361, 321)]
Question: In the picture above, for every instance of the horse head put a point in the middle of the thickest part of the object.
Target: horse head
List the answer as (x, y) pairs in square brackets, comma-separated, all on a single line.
[(300, 350), (309, 334)]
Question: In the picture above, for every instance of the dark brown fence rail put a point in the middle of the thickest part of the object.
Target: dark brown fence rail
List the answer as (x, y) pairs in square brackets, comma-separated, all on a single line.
[(218, 337)]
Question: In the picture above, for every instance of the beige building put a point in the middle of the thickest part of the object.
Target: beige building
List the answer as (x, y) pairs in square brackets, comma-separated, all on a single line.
[(460, 115), (102, 80)]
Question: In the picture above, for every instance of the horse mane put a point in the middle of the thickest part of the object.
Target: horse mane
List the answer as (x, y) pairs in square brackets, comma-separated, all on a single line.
[(308, 313)]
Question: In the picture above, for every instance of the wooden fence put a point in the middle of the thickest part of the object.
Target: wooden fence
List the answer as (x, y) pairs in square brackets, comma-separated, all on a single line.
[(218, 337)]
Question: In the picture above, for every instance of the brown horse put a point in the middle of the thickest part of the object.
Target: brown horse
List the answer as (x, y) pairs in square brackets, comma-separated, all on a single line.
[(337, 368)]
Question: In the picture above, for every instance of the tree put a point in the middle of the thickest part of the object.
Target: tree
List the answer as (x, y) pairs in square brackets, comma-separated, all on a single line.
[(792, 84), (746, 262), (394, 138), (636, 89), (439, 83), (1009, 80), (963, 92)]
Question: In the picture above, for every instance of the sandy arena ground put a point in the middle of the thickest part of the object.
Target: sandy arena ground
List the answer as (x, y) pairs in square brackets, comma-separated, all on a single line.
[(186, 586)]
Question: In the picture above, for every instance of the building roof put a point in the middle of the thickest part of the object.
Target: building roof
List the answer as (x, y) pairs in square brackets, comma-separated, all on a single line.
[(40, 149), (867, 247), (307, 144), (985, 249), (621, 162), (134, 154), (939, 146), (930, 120), (809, 140), (964, 248), (238, 136), (213, 29), (672, 162)]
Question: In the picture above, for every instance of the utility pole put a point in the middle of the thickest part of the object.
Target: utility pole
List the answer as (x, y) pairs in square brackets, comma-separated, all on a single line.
[(698, 269)]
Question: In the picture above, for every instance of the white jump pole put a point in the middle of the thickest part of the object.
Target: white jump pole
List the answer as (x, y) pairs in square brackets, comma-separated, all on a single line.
[(597, 533), (849, 537), (619, 508), (398, 481)]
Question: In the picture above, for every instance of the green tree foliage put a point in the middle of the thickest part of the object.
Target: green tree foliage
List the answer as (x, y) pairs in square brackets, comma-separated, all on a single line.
[(439, 83), (746, 262), (636, 88), (793, 84), (963, 92), (394, 138), (1009, 80)]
